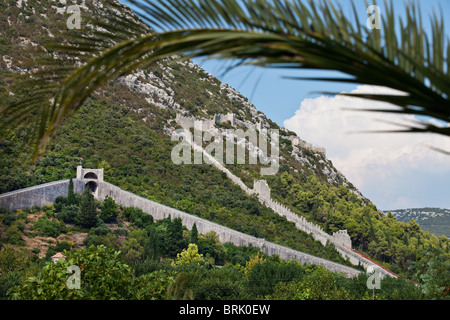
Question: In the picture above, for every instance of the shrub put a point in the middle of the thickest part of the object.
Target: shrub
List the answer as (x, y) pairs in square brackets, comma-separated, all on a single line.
[(8, 281), (60, 203), (13, 235), (9, 218), (69, 214), (110, 241), (96, 284), (100, 230), (109, 211), (22, 215), (48, 228)]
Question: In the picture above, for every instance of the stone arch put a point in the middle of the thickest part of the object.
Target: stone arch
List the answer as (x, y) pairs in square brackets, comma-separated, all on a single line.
[(91, 175), (93, 186)]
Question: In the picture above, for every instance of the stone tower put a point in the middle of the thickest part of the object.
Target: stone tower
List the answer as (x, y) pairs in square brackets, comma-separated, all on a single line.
[(90, 178)]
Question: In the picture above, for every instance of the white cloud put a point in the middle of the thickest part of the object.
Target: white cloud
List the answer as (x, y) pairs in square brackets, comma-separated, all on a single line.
[(392, 169)]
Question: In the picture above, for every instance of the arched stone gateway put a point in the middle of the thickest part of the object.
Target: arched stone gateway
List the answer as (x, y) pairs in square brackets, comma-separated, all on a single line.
[(91, 179)]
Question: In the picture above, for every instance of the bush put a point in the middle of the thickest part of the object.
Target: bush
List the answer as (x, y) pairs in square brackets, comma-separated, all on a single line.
[(263, 277), (87, 215), (138, 217), (14, 236), (101, 230), (49, 282), (320, 284), (22, 215), (148, 266), (221, 284), (153, 286), (9, 218), (60, 203), (69, 214), (7, 281), (109, 211), (47, 228), (110, 241)]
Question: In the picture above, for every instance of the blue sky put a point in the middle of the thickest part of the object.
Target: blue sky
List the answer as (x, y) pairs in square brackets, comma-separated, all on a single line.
[(394, 171)]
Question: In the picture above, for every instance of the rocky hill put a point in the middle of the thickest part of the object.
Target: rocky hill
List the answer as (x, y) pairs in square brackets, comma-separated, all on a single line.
[(127, 128), (434, 220)]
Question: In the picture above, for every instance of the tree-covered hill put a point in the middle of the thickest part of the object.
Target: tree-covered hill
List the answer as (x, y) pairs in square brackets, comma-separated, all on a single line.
[(125, 128)]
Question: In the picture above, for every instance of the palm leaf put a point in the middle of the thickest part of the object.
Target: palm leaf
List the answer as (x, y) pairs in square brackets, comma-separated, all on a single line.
[(297, 34)]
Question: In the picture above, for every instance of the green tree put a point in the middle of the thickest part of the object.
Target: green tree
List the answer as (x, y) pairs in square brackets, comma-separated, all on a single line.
[(263, 277), (320, 284), (189, 256), (109, 210), (71, 198), (222, 284), (133, 246), (103, 274), (69, 214), (434, 274), (154, 246), (8, 281), (48, 228), (153, 286), (194, 234), (12, 259), (87, 215), (175, 242)]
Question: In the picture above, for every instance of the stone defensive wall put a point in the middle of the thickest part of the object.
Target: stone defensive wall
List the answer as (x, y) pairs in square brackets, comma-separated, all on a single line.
[(341, 240), (40, 195), (159, 212), (47, 193)]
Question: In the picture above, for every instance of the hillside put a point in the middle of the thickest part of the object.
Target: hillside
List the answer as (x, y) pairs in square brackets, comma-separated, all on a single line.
[(434, 220), (126, 128)]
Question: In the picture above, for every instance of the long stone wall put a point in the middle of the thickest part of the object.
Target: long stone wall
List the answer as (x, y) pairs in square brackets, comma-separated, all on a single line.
[(47, 193), (340, 239), (159, 212), (38, 195)]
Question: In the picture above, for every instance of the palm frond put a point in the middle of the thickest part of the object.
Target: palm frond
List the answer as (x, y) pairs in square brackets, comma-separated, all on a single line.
[(297, 34)]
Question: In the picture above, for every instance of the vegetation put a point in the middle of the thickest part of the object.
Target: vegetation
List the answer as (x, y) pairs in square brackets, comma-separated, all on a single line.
[(116, 129), (397, 245), (296, 34), (145, 265), (434, 220)]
